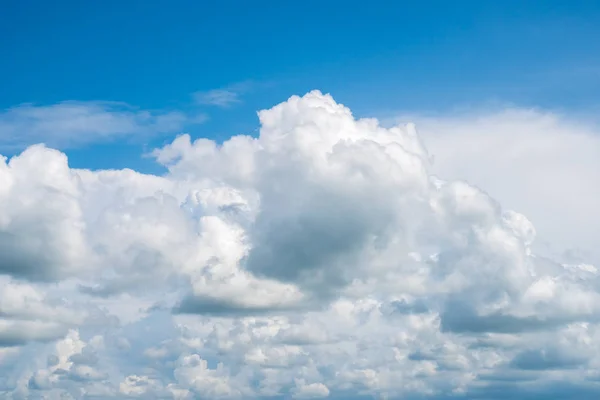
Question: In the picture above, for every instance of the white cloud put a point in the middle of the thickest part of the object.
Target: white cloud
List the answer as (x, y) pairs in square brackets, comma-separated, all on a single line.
[(30, 314), (320, 260), (543, 164), (217, 97), (223, 97), (71, 124), (310, 391)]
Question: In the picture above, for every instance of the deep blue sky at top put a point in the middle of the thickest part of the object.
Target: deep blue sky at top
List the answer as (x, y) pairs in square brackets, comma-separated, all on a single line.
[(374, 56)]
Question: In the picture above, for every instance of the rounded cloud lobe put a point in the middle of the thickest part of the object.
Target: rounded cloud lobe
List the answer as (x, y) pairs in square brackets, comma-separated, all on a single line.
[(322, 259)]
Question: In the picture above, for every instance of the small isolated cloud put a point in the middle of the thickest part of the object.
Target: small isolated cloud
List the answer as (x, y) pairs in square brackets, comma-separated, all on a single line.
[(326, 258), (222, 97), (217, 97), (71, 124)]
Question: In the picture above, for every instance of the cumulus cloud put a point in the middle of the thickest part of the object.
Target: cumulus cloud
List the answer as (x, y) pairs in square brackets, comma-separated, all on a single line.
[(70, 124), (326, 258), (28, 313)]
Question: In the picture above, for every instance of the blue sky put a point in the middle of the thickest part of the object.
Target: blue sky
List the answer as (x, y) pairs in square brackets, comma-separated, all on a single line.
[(379, 58)]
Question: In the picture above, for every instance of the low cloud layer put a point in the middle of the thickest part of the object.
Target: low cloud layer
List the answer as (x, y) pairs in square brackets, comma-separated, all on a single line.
[(327, 258)]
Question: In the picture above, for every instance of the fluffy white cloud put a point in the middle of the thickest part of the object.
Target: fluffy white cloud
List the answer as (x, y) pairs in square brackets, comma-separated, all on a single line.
[(322, 259), (27, 314)]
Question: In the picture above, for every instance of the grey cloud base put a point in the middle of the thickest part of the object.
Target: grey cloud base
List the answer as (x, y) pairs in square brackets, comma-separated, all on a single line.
[(322, 259)]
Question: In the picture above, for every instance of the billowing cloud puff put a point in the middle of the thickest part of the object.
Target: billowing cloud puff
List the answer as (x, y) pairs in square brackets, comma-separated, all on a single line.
[(321, 259)]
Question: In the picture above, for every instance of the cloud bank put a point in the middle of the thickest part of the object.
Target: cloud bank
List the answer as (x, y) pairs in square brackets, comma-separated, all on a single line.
[(322, 259), (544, 163)]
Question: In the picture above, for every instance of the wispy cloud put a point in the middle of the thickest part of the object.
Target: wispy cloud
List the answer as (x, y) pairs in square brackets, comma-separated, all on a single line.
[(217, 97), (74, 123), (223, 97), (71, 124)]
